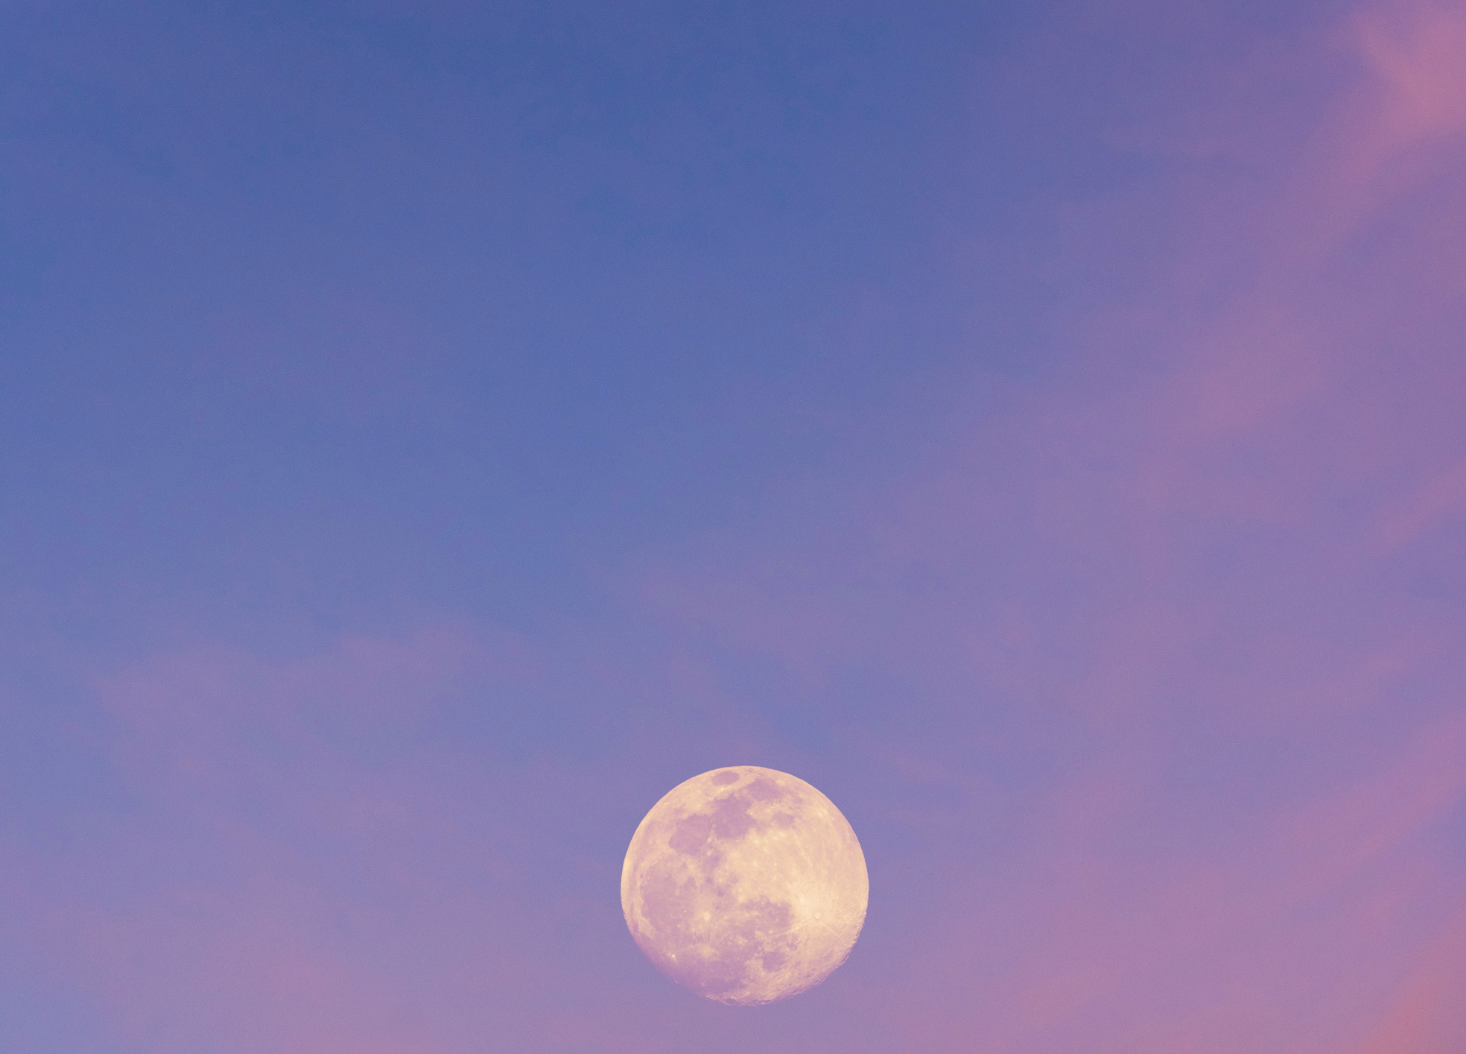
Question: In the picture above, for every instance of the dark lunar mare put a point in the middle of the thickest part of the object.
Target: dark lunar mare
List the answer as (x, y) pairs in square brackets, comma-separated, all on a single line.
[(753, 925)]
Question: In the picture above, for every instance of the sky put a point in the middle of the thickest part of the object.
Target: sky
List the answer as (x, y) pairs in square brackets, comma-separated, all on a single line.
[(430, 431)]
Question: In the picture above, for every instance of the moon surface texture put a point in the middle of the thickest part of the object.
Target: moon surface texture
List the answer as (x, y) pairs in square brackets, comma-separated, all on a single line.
[(746, 885)]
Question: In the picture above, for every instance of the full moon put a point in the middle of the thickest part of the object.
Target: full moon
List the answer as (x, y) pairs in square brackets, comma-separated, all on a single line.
[(745, 885)]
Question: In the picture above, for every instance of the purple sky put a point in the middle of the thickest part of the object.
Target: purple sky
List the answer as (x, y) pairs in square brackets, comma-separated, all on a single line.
[(431, 431)]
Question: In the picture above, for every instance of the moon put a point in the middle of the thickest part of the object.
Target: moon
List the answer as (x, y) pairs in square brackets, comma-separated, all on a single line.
[(745, 885)]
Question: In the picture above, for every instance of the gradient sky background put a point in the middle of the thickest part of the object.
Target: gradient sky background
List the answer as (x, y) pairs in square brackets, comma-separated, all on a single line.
[(431, 430)]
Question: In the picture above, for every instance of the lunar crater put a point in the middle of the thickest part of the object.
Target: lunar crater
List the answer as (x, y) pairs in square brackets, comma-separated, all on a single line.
[(746, 885)]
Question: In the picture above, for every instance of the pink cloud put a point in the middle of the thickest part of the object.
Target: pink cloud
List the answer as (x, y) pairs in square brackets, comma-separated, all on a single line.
[(1428, 1015), (1436, 503), (1414, 50), (293, 867), (1396, 130)]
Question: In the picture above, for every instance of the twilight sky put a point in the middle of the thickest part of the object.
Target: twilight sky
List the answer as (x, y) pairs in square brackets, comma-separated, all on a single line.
[(429, 431)]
